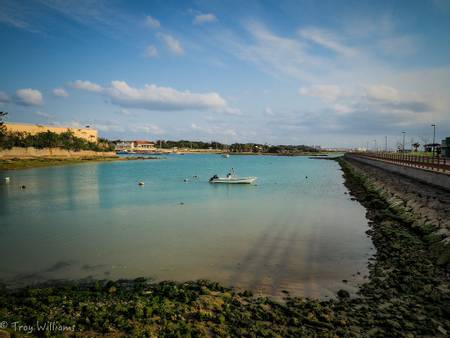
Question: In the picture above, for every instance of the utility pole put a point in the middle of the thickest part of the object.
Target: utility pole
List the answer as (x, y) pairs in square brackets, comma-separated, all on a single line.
[(385, 144), (376, 147), (403, 150), (434, 137)]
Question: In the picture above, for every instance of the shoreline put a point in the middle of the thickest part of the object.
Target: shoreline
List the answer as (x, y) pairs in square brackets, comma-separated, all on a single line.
[(406, 293), (29, 163)]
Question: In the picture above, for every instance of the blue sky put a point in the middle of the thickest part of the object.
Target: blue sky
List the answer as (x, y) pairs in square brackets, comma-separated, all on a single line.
[(331, 73)]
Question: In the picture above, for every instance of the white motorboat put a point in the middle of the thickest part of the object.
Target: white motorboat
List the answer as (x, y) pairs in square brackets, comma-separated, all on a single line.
[(232, 179), (225, 155)]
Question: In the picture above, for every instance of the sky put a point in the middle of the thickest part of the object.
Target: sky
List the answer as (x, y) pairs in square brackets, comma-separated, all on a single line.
[(328, 73)]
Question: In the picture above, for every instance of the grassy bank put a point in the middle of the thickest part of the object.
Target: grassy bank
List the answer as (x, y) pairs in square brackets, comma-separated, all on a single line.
[(406, 294), (14, 164)]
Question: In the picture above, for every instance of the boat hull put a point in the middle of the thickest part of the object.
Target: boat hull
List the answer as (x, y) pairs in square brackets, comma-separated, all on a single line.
[(233, 180)]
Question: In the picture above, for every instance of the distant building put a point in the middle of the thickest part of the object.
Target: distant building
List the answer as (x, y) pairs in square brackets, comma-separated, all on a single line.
[(429, 147), (445, 146), (136, 146), (33, 129), (124, 145), (144, 145)]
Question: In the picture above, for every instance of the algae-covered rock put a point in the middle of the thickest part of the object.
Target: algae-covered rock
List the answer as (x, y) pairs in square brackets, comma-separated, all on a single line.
[(444, 256), (343, 294)]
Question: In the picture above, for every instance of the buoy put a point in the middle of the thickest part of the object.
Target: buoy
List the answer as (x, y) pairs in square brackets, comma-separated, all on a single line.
[(306, 176), (185, 180), (141, 183), (22, 187)]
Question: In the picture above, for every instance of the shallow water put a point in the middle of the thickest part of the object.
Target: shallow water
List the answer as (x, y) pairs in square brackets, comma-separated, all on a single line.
[(288, 232)]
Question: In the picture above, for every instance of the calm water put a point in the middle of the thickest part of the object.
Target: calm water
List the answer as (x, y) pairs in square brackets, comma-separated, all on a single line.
[(288, 232)]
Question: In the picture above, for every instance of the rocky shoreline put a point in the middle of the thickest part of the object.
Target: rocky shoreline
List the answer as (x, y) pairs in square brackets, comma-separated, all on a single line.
[(406, 294)]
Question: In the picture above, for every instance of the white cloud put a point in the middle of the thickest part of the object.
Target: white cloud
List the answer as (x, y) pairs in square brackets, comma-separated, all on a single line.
[(328, 93), (214, 130), (86, 85), (382, 93), (399, 46), (392, 99), (29, 97), (4, 98), (152, 97), (172, 44), (60, 92), (152, 22), (342, 109), (43, 114), (204, 18), (149, 128), (277, 55), (268, 111), (326, 39), (151, 51), (372, 108), (125, 112)]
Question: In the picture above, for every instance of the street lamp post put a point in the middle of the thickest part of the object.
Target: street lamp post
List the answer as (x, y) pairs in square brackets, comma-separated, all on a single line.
[(434, 137), (403, 150)]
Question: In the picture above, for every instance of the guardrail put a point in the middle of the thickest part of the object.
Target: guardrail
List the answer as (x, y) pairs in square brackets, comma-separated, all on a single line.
[(422, 162)]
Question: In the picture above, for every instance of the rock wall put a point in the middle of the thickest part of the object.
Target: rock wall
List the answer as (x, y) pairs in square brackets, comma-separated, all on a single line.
[(424, 203), (30, 152), (431, 177)]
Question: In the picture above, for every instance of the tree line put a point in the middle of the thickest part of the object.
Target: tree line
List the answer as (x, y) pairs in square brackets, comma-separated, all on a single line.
[(235, 147)]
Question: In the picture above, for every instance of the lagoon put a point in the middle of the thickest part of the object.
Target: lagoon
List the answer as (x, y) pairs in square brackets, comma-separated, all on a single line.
[(297, 229)]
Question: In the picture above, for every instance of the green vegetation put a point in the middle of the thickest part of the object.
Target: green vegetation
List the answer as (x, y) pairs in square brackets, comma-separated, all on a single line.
[(49, 139), (406, 294), (2, 124)]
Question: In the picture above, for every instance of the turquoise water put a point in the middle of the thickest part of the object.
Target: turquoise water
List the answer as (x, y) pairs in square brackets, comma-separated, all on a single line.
[(295, 230)]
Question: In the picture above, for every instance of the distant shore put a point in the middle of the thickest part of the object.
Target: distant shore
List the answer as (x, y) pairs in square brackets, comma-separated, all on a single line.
[(223, 152)]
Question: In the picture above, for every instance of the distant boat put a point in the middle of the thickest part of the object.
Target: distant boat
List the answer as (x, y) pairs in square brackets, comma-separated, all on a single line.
[(226, 155)]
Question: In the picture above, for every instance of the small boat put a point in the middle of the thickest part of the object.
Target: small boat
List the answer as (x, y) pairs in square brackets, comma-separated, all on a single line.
[(232, 180), (226, 155)]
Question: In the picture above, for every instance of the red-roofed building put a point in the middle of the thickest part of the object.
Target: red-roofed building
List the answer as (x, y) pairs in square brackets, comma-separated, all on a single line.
[(143, 145)]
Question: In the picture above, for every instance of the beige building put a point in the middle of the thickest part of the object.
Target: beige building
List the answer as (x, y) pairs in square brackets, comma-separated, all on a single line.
[(85, 133)]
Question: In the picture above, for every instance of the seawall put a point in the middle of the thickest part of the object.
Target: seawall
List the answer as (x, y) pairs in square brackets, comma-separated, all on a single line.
[(425, 176), (57, 153)]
